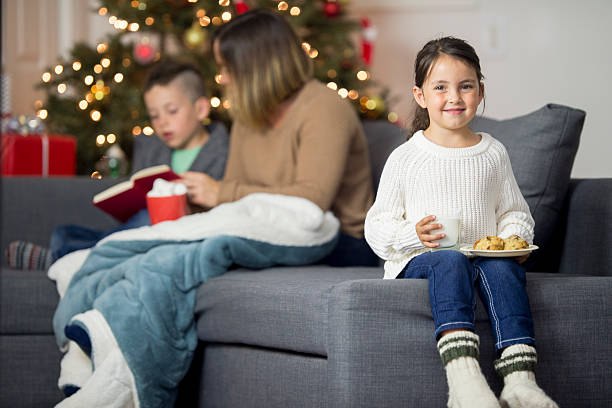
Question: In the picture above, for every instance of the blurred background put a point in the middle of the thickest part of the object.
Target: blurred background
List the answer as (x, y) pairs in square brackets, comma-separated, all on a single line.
[(532, 53)]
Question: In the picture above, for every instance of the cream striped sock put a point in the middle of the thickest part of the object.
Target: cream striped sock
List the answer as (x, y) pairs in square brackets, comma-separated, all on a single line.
[(26, 255), (517, 365), (467, 387)]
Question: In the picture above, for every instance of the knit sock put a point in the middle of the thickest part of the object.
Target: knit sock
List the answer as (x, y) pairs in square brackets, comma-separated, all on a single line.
[(517, 366), (467, 387), (26, 255)]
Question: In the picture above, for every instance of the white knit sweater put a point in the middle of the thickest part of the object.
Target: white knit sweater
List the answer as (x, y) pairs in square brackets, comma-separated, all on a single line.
[(422, 178)]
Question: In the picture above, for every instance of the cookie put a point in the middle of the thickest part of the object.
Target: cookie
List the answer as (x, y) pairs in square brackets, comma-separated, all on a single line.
[(515, 242), (489, 243)]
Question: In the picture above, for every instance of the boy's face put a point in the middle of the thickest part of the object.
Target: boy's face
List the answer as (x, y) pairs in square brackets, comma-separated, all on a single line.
[(176, 119)]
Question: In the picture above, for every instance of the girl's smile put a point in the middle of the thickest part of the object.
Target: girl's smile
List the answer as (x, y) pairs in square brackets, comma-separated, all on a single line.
[(454, 111)]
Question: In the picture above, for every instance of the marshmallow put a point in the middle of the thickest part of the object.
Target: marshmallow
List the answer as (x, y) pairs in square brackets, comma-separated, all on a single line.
[(163, 188)]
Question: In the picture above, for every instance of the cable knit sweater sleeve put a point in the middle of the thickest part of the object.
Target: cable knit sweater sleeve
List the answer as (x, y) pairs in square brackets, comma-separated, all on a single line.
[(387, 231), (512, 212)]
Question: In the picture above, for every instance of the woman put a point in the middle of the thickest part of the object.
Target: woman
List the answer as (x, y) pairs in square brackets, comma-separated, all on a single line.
[(291, 135)]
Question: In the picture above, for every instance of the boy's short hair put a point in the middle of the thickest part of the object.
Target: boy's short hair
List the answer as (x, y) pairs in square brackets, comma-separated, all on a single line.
[(166, 71)]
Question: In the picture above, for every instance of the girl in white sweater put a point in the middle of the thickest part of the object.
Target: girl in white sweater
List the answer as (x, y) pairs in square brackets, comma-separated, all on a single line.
[(446, 167)]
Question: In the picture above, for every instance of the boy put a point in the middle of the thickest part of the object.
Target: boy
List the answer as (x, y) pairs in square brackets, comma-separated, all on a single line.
[(177, 103)]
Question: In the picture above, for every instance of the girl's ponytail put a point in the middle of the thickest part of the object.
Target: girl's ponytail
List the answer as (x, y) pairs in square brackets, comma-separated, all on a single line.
[(420, 121)]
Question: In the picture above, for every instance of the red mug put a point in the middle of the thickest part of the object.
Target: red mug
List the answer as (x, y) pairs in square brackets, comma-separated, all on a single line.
[(166, 208)]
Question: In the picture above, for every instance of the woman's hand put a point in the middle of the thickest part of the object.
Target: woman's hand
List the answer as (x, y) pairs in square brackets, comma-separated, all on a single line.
[(423, 230), (202, 189)]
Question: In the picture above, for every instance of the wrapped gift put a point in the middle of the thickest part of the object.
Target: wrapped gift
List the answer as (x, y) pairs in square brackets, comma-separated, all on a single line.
[(38, 155)]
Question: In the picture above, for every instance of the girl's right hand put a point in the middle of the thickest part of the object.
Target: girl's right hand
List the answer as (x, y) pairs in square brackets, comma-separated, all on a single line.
[(424, 228)]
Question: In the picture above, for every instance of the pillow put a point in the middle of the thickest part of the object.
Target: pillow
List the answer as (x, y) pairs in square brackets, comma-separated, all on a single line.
[(542, 146), (383, 137)]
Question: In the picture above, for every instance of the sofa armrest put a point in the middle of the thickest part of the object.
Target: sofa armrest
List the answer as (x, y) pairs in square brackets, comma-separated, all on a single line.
[(587, 237), (382, 352), (33, 206)]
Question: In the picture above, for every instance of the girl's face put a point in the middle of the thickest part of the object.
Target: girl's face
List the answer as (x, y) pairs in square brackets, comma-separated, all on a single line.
[(176, 119), (451, 94)]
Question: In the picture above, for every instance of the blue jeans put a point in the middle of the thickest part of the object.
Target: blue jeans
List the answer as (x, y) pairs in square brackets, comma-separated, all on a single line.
[(453, 278), (351, 251), (70, 238)]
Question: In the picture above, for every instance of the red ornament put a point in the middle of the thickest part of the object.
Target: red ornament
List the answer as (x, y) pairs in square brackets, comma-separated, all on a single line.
[(331, 9), (241, 7), (367, 41), (144, 53)]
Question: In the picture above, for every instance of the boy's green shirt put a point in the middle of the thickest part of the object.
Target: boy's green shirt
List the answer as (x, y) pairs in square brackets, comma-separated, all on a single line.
[(182, 159)]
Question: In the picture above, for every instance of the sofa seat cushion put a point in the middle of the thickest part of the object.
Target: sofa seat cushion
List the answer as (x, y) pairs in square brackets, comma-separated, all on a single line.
[(27, 302), (282, 308)]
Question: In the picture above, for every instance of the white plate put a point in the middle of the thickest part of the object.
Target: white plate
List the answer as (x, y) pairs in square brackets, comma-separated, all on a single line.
[(468, 250)]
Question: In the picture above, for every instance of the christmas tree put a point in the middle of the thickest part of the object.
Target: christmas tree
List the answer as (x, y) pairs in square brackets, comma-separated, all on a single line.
[(96, 94)]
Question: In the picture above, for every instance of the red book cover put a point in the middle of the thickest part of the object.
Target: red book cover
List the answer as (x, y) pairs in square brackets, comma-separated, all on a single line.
[(126, 198)]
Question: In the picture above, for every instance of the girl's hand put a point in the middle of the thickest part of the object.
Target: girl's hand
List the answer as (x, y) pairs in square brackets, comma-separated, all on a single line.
[(423, 230), (202, 189), (521, 259)]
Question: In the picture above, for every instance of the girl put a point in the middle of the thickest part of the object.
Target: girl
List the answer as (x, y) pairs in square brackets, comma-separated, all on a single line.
[(446, 166), (291, 135)]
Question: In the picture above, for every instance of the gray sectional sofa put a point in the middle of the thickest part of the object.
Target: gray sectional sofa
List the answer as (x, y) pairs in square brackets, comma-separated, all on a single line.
[(318, 336)]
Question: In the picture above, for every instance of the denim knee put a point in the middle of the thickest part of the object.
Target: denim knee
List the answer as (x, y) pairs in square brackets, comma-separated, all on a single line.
[(449, 257), (501, 285), (451, 278)]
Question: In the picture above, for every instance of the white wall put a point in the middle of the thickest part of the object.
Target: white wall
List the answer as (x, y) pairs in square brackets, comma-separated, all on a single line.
[(532, 53)]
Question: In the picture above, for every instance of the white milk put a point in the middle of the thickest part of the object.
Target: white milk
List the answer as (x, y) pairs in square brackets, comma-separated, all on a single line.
[(451, 227)]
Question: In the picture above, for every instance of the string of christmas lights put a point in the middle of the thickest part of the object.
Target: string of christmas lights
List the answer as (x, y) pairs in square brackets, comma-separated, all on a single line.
[(96, 95)]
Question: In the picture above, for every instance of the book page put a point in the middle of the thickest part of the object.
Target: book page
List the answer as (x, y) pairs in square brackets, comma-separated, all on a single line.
[(162, 168), (112, 191)]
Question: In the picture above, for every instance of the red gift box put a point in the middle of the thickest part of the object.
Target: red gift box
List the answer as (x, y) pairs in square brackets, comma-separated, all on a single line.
[(38, 155)]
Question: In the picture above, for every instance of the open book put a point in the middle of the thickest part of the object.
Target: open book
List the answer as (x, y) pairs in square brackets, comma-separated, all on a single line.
[(126, 198)]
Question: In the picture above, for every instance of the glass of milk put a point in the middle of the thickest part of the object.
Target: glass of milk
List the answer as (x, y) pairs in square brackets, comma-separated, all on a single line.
[(451, 228)]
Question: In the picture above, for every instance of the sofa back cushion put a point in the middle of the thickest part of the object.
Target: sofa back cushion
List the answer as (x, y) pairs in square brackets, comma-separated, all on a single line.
[(542, 146), (383, 137)]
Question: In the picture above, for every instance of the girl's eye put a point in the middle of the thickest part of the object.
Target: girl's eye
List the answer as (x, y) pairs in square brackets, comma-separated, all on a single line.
[(467, 86), (152, 117), (172, 111), (439, 88)]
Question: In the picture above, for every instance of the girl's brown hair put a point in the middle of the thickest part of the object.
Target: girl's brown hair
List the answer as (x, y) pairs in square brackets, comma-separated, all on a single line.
[(425, 59), (265, 61)]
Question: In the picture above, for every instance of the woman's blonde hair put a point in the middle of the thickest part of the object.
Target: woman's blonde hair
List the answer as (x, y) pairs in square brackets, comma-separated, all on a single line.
[(265, 61)]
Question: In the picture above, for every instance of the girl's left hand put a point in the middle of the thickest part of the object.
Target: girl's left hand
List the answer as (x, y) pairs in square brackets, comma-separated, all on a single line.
[(521, 259), (202, 189)]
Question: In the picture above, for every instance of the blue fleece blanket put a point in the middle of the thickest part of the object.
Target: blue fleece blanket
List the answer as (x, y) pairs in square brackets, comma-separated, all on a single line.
[(144, 281)]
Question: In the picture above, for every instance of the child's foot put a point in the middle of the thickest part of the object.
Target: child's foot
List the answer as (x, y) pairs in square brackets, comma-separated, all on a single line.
[(467, 386), (26, 255), (521, 391), (517, 365)]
